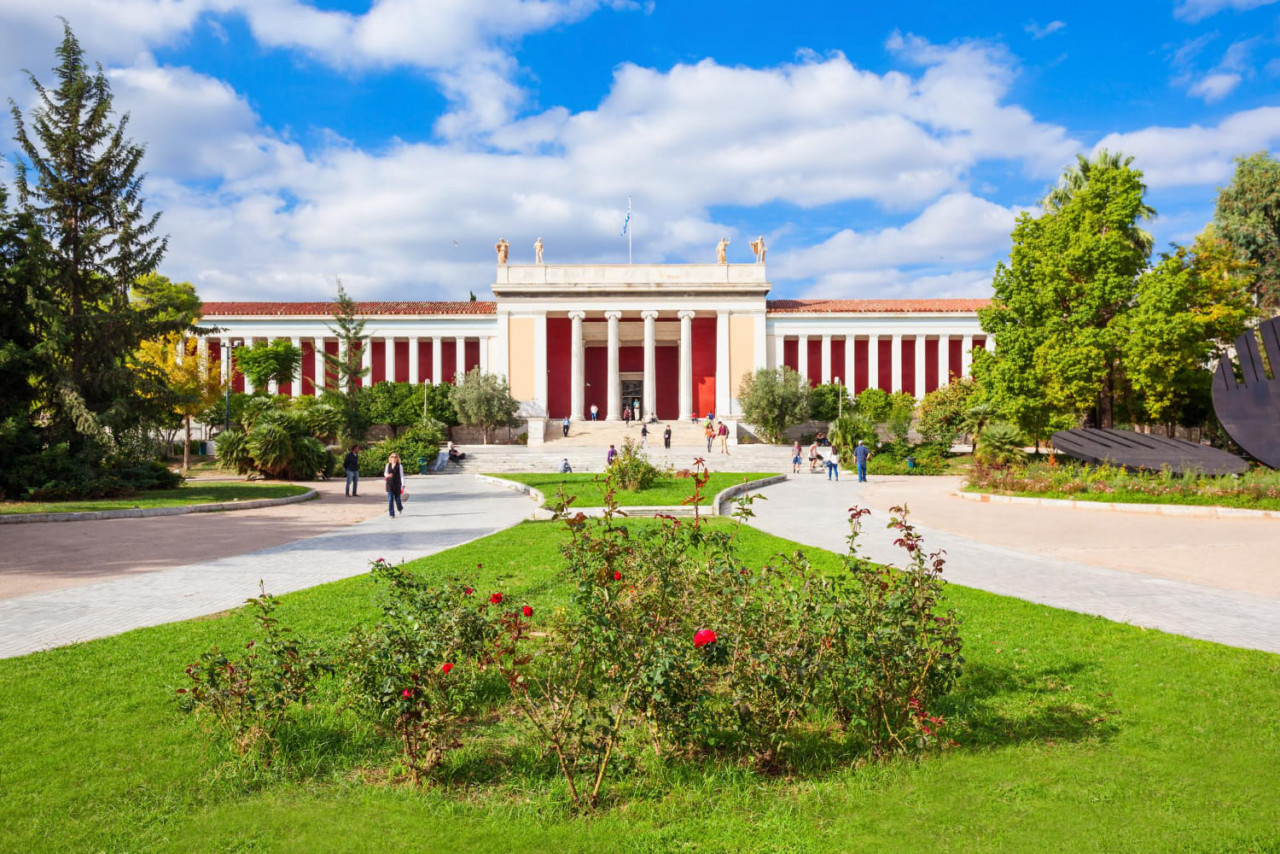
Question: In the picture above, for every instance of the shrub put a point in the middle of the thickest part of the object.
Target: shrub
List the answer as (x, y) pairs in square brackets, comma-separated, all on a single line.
[(276, 445), (774, 399), (825, 402), (941, 414), (631, 469), (846, 432), (874, 404), (250, 698), (422, 441)]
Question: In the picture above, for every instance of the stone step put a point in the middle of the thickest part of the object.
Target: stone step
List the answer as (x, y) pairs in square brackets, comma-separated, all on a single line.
[(510, 459)]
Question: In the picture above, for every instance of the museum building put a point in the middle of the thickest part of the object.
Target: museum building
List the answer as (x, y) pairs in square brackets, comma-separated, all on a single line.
[(678, 338)]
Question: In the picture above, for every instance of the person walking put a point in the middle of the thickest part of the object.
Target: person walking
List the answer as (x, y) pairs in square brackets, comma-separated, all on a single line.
[(351, 465), (626, 416), (564, 425), (644, 435), (814, 456), (666, 438), (611, 456), (833, 465), (724, 438), (711, 435), (795, 457), (861, 453), (595, 412), (394, 476)]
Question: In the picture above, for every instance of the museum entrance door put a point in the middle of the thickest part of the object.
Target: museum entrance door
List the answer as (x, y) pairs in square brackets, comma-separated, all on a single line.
[(633, 395)]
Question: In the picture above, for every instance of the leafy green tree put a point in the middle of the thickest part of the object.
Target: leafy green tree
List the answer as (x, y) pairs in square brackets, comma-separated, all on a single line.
[(940, 416), (79, 187), (1248, 217), (484, 400), (1059, 305), (268, 361), (437, 404), (828, 401), (774, 399), (173, 303), (1190, 305), (190, 388), (398, 405), (902, 409), (349, 330), (874, 403)]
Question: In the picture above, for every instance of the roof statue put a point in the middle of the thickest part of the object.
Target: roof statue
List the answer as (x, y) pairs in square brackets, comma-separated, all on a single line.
[(502, 247), (1249, 408), (720, 250), (537, 251), (758, 247)]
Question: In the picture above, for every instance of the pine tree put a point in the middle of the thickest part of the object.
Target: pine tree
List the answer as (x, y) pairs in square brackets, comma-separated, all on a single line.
[(18, 300), (79, 188), (349, 330)]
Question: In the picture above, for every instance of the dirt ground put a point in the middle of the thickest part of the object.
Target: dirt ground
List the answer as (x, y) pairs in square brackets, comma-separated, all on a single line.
[(47, 556)]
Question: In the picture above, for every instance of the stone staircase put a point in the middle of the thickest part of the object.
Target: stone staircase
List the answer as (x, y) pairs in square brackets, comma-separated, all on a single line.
[(601, 434), (498, 459)]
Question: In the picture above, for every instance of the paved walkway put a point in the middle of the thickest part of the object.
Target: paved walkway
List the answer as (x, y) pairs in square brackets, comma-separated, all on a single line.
[(442, 513), (1021, 562)]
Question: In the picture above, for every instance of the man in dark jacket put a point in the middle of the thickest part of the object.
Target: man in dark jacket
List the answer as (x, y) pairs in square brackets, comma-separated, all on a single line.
[(351, 465)]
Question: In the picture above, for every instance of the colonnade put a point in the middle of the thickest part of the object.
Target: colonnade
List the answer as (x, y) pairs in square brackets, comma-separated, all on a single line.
[(227, 343), (828, 371)]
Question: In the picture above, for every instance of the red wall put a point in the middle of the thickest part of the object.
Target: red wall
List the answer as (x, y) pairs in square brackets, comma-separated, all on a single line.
[(379, 372), (704, 365), (559, 367), (886, 366), (330, 374), (791, 353), (909, 365), (815, 361), (667, 371), (860, 357), (471, 355), (424, 360), (837, 361), (448, 355), (308, 368), (931, 365), (596, 374), (402, 362), (955, 348)]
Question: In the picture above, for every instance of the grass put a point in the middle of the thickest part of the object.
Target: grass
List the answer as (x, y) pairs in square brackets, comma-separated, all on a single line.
[(668, 492), (1075, 733), (188, 493), (1121, 496)]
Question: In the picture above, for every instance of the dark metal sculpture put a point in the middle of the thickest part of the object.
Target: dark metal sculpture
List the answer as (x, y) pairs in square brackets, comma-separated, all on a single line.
[(1136, 451), (1250, 410)]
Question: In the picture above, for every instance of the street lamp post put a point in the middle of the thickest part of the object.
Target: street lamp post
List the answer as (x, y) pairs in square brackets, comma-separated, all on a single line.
[(840, 405)]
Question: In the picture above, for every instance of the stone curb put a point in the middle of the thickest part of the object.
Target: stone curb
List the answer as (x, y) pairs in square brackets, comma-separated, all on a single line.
[(145, 512), (716, 508), (1190, 510)]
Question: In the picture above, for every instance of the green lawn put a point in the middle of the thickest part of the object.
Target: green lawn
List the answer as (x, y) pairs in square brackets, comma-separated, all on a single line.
[(1247, 502), (189, 493), (665, 493), (1075, 734)]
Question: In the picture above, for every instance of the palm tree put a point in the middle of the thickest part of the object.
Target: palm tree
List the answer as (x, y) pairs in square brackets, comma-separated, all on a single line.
[(976, 419), (1001, 445), (1076, 178)]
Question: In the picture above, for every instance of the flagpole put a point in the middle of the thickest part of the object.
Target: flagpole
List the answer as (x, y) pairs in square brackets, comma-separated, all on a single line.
[(629, 229)]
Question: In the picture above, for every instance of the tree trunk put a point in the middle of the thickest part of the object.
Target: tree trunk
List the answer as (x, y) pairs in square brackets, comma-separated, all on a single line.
[(1106, 403), (186, 446)]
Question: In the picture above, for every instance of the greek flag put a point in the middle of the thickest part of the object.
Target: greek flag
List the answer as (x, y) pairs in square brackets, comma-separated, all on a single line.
[(627, 221)]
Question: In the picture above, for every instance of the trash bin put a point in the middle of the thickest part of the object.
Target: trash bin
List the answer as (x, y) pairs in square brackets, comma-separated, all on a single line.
[(911, 463), (422, 465)]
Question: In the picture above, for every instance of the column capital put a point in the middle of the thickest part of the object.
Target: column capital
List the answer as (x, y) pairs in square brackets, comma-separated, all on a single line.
[(577, 314), (686, 314), (613, 314), (649, 314)]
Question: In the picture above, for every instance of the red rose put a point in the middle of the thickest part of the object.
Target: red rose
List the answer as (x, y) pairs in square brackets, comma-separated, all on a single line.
[(495, 599), (407, 693), (467, 591), (447, 666), (702, 637), (527, 611), (617, 576)]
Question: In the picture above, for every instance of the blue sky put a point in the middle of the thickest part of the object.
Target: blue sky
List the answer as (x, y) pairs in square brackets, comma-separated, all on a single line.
[(883, 150)]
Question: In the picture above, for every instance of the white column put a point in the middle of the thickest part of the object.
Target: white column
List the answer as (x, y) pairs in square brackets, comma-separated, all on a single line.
[(615, 381), (295, 387), (318, 354), (944, 360), (990, 343), (920, 383), (460, 360), (686, 364), (224, 356), (966, 356), (248, 386), (826, 358), (389, 372), (802, 356), (366, 362), (272, 387), (437, 358), (577, 368), (723, 393), (484, 354), (414, 343), (850, 364), (895, 365), (343, 362), (202, 353), (873, 361), (540, 361), (779, 351), (650, 362)]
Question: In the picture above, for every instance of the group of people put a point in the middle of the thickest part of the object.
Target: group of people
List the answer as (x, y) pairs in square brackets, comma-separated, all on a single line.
[(716, 430), (861, 453)]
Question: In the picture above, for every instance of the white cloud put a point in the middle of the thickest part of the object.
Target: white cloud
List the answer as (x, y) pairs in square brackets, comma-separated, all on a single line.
[(1215, 86), (893, 283), (1038, 32), (1197, 10), (1235, 66), (1180, 156)]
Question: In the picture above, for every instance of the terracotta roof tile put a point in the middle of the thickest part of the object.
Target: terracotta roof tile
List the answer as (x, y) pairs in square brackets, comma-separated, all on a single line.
[(871, 306), (325, 309)]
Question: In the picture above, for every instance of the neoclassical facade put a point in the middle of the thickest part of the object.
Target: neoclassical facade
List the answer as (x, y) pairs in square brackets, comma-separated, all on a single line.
[(677, 338)]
